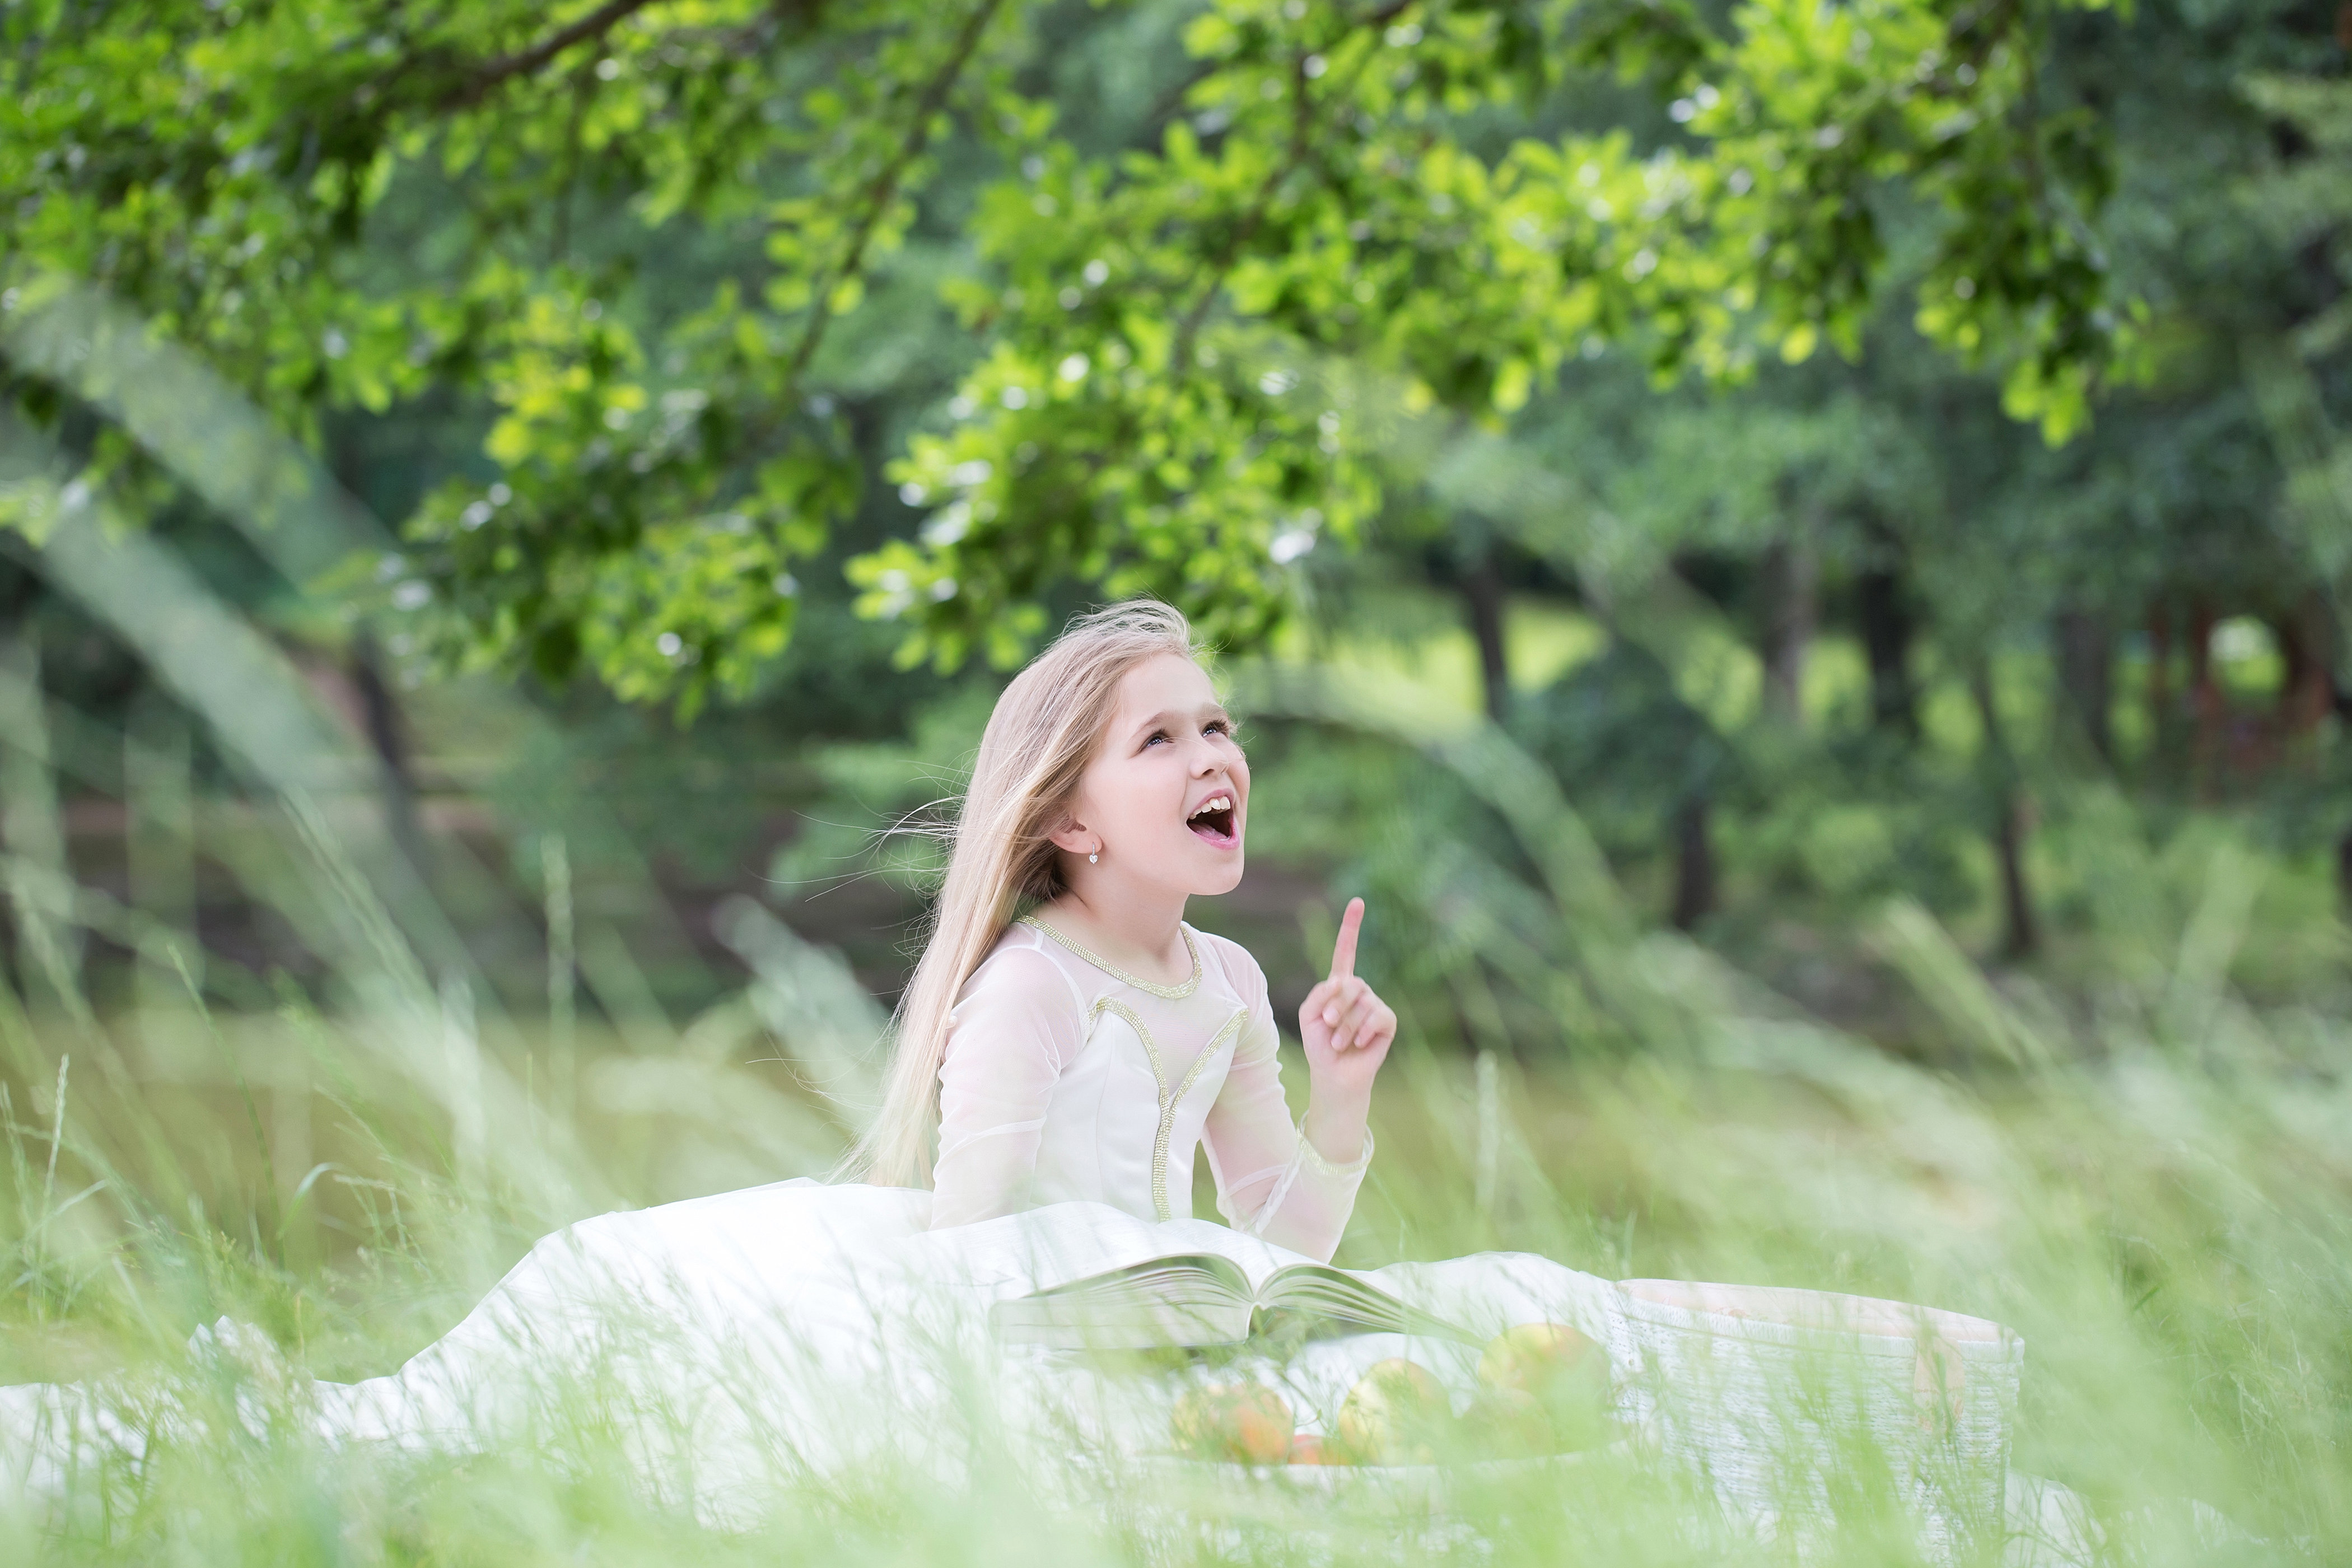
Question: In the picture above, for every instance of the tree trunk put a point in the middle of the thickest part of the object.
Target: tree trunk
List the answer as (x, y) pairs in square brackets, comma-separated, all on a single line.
[(2307, 695), (1694, 863), (1481, 597), (2012, 819), (159, 847), (2086, 667), (2204, 698), (1886, 632), (2343, 873), (380, 714), (2023, 936), (1790, 571), (2160, 664)]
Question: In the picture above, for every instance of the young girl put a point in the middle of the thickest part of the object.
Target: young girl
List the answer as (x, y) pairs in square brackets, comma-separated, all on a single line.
[(1067, 1036)]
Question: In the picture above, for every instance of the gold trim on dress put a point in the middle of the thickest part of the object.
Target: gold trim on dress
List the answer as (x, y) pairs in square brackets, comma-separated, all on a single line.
[(1168, 1098), (1149, 987)]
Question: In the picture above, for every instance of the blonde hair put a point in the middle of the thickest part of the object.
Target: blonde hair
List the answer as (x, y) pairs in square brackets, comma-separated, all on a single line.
[(1001, 861)]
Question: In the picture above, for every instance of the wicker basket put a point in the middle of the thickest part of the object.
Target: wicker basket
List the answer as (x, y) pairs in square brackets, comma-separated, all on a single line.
[(1801, 1408)]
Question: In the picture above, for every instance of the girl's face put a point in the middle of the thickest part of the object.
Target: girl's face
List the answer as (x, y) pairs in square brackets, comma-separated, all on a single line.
[(1167, 794)]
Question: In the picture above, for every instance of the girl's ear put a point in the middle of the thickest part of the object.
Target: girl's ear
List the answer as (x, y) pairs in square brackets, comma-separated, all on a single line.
[(1074, 837)]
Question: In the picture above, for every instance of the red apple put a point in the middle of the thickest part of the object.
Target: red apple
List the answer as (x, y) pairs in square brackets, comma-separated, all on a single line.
[(1308, 1449)]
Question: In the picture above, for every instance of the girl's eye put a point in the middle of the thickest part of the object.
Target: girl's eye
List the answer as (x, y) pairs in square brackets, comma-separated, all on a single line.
[(1156, 737)]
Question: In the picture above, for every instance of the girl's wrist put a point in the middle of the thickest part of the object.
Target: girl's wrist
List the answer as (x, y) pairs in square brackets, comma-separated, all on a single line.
[(1335, 1124)]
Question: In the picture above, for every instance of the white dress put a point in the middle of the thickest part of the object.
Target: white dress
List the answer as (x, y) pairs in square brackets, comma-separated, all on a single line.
[(760, 1338), (1068, 1079)]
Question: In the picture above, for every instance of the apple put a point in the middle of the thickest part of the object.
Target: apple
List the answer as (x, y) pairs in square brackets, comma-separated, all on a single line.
[(1533, 1356), (1242, 1424), (1508, 1424), (1561, 1369), (1397, 1414), (1308, 1449)]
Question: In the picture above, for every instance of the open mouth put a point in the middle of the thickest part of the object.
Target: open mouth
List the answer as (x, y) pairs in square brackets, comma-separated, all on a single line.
[(1212, 820)]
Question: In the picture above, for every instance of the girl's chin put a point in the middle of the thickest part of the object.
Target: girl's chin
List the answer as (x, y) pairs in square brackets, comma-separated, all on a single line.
[(1221, 876)]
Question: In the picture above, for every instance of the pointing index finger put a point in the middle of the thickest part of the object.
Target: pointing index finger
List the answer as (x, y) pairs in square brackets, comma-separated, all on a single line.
[(1343, 952)]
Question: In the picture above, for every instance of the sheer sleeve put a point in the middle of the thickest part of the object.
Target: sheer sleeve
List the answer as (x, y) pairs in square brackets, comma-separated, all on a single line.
[(1016, 1028), (1271, 1182)]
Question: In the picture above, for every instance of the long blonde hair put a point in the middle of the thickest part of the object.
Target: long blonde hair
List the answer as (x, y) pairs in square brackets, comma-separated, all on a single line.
[(1038, 741)]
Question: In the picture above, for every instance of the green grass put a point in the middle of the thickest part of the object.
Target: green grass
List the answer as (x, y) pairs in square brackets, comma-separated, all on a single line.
[(2133, 1154), (2158, 1201)]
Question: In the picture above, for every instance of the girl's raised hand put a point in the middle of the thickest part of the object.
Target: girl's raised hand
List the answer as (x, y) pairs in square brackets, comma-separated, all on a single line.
[(1346, 1028)]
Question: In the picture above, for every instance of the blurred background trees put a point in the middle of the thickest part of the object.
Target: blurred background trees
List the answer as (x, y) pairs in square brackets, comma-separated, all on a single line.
[(1847, 453)]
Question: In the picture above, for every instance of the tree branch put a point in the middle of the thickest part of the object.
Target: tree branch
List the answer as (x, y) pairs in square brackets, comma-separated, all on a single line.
[(1300, 148), (483, 77), (1169, 102), (884, 186)]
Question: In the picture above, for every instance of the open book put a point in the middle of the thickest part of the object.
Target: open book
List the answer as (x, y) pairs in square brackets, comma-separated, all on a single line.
[(1199, 1299)]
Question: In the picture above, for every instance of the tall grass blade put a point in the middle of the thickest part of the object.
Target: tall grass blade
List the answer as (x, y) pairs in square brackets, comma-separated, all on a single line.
[(36, 834)]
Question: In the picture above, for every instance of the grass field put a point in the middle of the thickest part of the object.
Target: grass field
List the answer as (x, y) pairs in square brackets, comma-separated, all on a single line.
[(2160, 1201), (2134, 1155)]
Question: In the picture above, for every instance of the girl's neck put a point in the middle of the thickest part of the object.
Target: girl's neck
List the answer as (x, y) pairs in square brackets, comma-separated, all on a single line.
[(1129, 928)]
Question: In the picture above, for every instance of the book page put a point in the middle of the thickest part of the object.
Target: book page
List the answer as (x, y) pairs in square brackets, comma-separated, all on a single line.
[(1195, 1300), (1201, 1278), (1038, 1249), (1336, 1293)]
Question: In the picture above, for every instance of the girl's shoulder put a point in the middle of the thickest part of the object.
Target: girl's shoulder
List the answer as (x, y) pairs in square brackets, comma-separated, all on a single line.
[(1022, 966), (1223, 956), (1028, 968)]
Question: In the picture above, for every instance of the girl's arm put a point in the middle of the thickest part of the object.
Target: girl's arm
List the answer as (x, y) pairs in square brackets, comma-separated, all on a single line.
[(1008, 1040), (1272, 1181)]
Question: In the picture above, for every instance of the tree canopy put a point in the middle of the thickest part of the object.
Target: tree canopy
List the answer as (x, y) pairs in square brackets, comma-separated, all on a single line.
[(1175, 310)]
